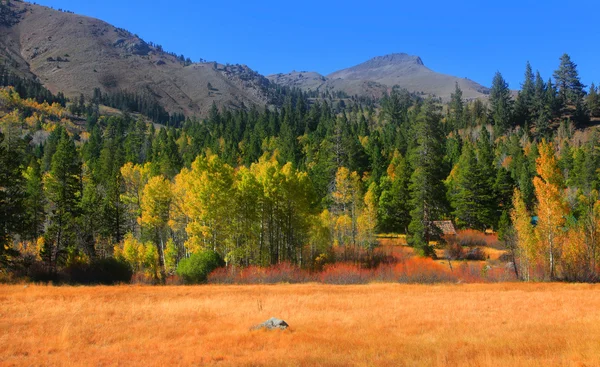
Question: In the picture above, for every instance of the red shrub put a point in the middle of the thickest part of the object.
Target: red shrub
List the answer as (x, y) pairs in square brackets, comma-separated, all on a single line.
[(471, 238), (407, 270)]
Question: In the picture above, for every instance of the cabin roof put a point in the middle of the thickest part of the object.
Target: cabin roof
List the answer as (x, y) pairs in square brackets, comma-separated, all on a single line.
[(446, 226)]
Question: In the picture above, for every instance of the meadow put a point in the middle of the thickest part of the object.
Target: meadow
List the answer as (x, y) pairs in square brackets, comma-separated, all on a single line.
[(501, 324)]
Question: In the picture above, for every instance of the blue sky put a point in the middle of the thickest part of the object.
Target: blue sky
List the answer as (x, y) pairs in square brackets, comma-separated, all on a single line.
[(464, 38)]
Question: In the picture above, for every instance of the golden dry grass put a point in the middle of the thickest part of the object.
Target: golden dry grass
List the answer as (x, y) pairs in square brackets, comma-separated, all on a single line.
[(373, 325)]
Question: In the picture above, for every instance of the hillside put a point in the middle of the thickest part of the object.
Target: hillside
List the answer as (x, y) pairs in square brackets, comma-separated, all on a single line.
[(374, 76), (74, 54)]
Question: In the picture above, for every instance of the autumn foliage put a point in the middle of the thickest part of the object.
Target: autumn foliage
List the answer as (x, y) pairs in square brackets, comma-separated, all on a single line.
[(551, 243)]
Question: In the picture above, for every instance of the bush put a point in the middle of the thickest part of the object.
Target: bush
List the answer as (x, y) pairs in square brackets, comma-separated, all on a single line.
[(476, 254), (454, 251), (196, 268), (38, 273), (102, 271)]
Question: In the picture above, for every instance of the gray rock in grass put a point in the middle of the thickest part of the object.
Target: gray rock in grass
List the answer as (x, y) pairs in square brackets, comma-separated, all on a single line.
[(272, 324)]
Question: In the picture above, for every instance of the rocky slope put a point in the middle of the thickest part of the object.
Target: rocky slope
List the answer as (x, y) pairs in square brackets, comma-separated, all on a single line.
[(74, 54)]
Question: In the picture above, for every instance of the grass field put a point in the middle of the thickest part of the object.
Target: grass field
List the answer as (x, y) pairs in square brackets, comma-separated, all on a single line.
[(508, 324)]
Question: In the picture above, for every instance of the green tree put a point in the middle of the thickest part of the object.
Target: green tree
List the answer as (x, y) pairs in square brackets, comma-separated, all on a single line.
[(524, 105), (426, 184), (593, 101), (63, 191), (11, 198), (570, 88), (456, 107), (34, 201), (393, 209), (501, 104), (472, 197)]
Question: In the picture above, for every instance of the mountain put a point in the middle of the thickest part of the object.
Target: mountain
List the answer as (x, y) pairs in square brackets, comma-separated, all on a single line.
[(74, 54), (383, 72), (313, 81)]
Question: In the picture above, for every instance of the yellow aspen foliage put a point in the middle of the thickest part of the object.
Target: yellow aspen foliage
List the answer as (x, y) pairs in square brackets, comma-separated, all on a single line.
[(320, 235), (156, 203), (171, 255), (135, 178), (342, 194), (151, 261), (526, 242), (29, 249), (391, 170), (179, 205), (367, 220), (551, 208), (40, 244), (209, 201), (574, 256), (343, 230), (132, 251), (348, 201)]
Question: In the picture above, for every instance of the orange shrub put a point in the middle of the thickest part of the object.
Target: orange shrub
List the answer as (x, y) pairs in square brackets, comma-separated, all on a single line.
[(471, 237), (408, 270)]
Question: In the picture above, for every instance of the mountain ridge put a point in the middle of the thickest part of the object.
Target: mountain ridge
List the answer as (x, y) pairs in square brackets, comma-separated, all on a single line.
[(75, 54), (386, 71)]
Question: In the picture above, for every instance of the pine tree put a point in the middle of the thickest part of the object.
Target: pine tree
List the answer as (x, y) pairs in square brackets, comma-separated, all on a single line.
[(593, 101), (487, 166), (565, 161), (457, 108), (570, 88), (134, 142), (393, 208), (553, 103), (542, 124), (501, 104), (504, 187), (34, 201), (50, 147), (426, 186), (11, 199), (581, 115), (525, 99), (63, 191), (525, 178), (91, 220), (472, 198), (539, 97), (579, 175), (288, 142)]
